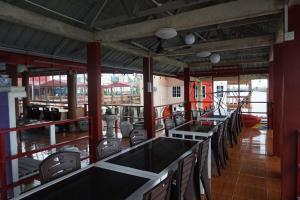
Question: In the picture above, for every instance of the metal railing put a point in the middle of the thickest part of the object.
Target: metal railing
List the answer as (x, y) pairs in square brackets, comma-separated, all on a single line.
[(6, 158)]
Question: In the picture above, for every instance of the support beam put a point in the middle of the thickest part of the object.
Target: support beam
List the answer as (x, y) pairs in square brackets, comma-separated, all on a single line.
[(229, 62), (222, 13), (227, 45), (25, 83), (187, 102), (286, 58), (94, 94), (149, 114), (72, 101), (33, 20), (12, 71), (122, 47), (171, 5)]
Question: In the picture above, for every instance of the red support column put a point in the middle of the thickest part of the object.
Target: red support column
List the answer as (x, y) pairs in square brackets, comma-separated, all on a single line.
[(25, 83), (271, 100), (149, 114), (94, 94), (287, 61), (187, 103), (72, 102), (12, 71)]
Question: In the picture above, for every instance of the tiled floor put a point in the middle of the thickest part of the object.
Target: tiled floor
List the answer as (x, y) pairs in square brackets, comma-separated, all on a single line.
[(250, 173)]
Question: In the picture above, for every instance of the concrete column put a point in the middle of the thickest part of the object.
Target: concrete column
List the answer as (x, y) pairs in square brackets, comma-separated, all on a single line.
[(187, 102), (12, 71), (25, 83), (94, 94), (286, 103), (149, 114), (72, 97)]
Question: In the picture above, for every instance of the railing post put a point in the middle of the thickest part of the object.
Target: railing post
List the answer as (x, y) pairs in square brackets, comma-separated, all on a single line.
[(4, 186), (298, 167), (52, 136)]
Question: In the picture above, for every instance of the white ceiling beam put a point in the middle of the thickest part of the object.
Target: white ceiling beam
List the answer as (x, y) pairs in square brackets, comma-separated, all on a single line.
[(217, 14), (229, 62), (227, 45), (24, 17), (36, 21), (126, 48)]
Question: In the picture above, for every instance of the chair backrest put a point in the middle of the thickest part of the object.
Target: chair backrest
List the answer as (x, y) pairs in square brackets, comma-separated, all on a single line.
[(169, 124), (59, 164), (233, 120), (108, 147), (137, 136), (185, 171), (161, 191), (202, 155), (217, 137), (178, 119), (195, 114), (126, 128)]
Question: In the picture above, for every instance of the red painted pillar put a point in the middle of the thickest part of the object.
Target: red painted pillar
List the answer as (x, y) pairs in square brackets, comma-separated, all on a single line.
[(149, 114), (72, 101), (287, 61), (25, 83), (94, 94), (271, 99), (12, 71), (187, 102)]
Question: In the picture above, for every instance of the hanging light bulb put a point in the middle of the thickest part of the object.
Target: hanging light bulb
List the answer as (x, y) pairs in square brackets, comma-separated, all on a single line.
[(166, 33), (189, 39), (215, 58)]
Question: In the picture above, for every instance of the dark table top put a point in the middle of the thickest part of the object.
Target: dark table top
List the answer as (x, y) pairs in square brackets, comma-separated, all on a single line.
[(198, 126), (92, 184), (154, 156)]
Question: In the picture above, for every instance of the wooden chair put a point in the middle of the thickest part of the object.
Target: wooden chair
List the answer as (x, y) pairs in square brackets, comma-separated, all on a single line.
[(137, 136), (160, 191), (201, 169), (59, 164), (225, 140), (108, 147), (183, 176), (169, 124)]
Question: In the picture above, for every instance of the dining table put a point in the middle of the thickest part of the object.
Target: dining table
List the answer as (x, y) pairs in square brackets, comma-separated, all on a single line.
[(125, 175), (216, 115)]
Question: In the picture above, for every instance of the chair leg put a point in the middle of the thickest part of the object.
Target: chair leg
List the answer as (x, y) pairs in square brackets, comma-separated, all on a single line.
[(205, 182), (217, 160)]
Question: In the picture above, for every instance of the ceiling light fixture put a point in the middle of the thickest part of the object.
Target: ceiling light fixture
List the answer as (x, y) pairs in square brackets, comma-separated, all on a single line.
[(189, 39), (215, 58), (166, 33), (203, 54)]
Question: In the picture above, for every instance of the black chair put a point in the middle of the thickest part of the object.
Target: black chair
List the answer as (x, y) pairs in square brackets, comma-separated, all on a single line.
[(201, 169), (137, 136), (169, 124), (216, 145), (183, 177), (108, 147), (178, 119), (225, 141), (46, 114), (36, 113), (232, 129), (161, 191), (59, 164), (55, 114)]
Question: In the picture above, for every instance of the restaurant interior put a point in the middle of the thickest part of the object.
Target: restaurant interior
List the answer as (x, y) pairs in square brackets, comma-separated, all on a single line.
[(149, 99)]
